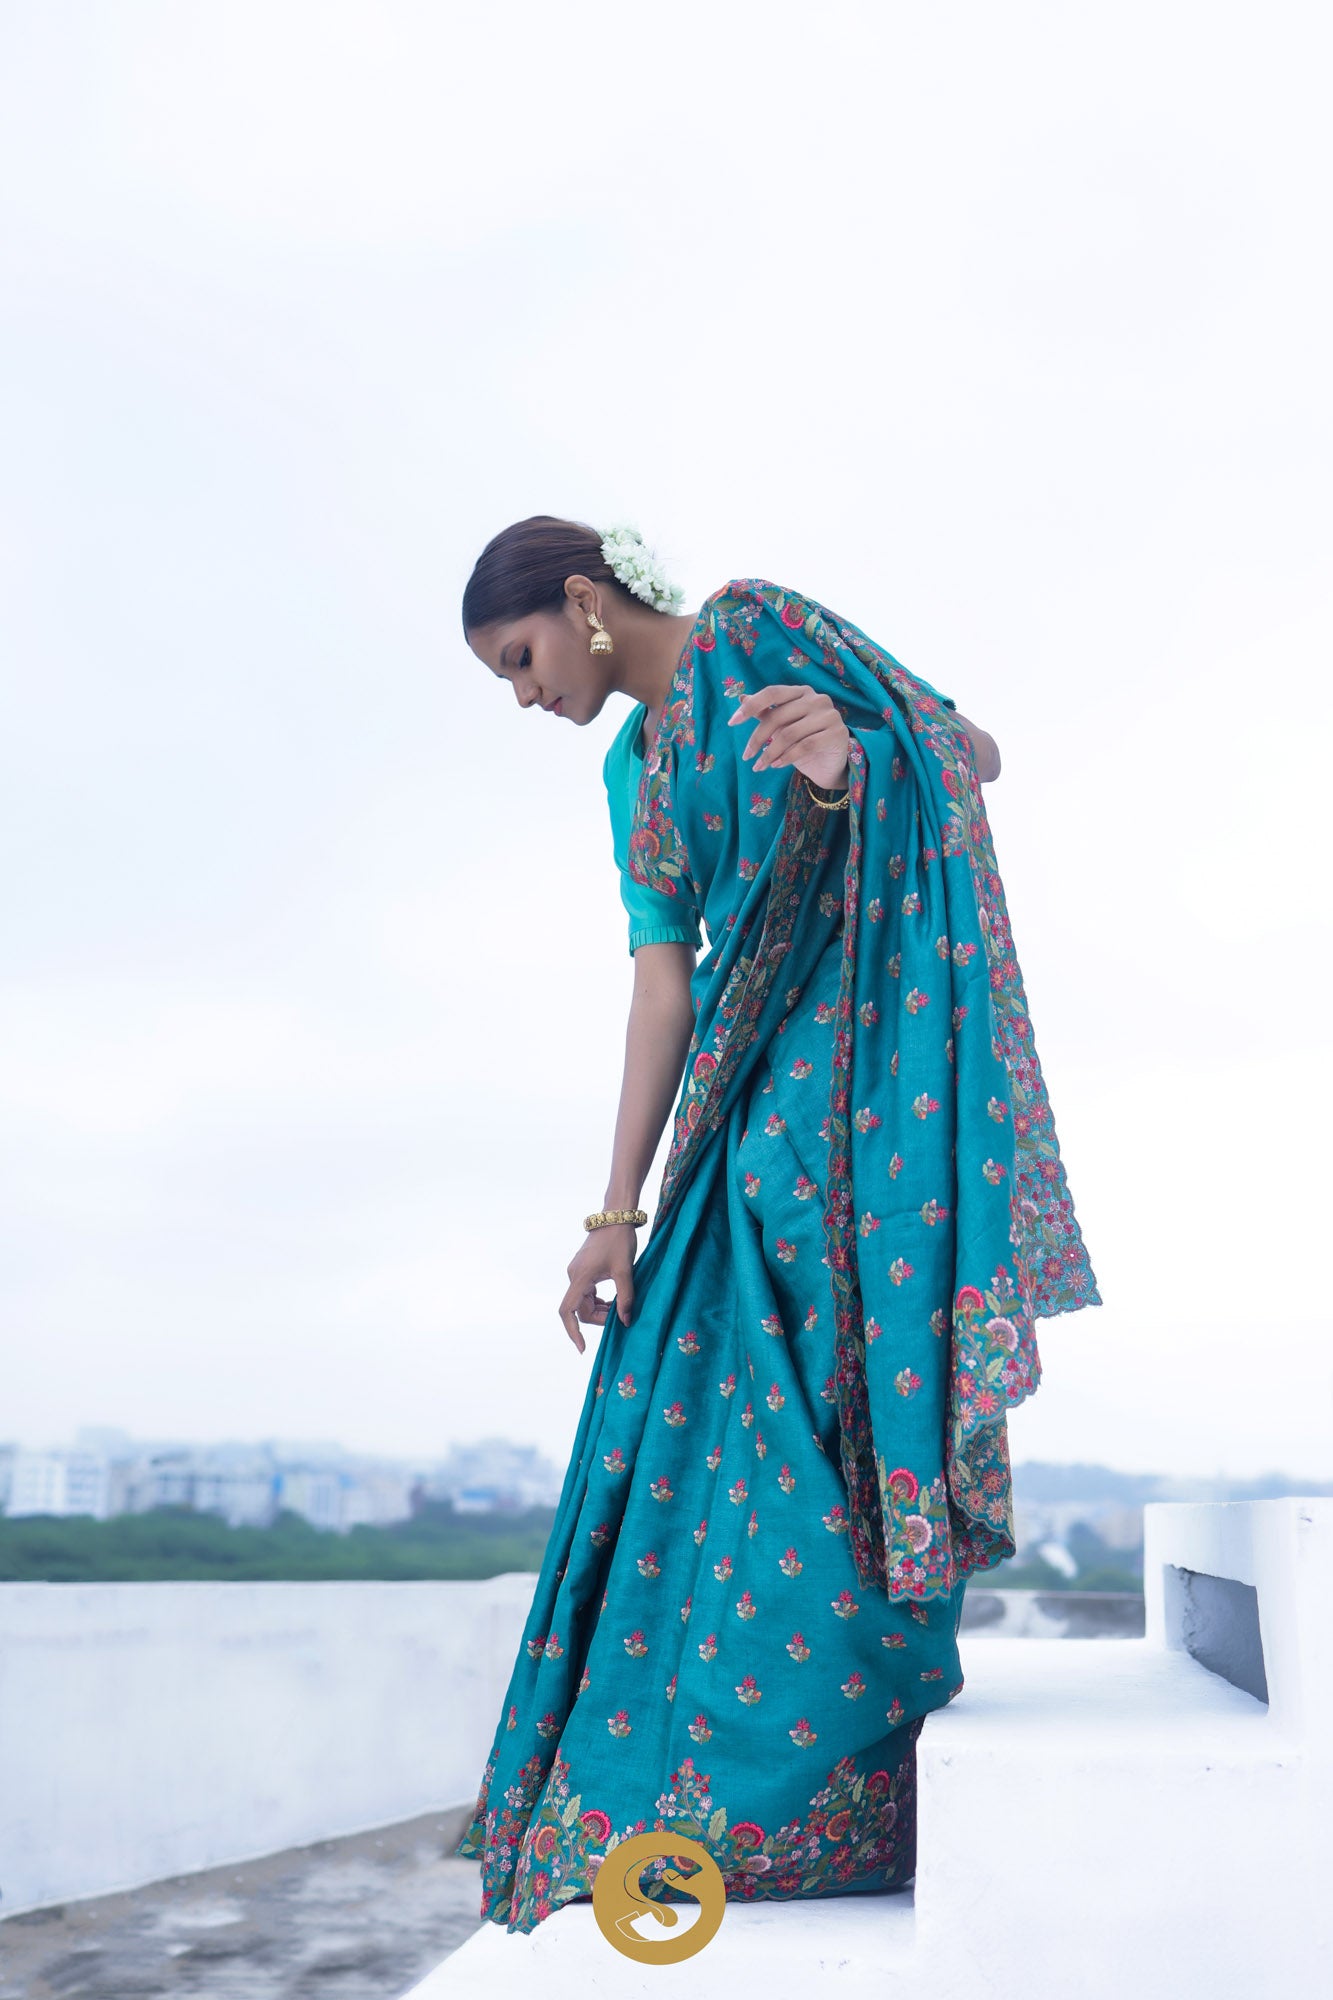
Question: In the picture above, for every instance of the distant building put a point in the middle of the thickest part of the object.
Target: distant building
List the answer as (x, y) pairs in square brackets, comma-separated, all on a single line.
[(495, 1476), (58, 1482)]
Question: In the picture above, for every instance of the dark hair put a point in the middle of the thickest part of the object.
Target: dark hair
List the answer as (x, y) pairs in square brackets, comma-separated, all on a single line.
[(523, 569)]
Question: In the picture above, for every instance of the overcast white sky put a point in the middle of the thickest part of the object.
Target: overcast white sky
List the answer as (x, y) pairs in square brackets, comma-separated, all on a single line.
[(1005, 331)]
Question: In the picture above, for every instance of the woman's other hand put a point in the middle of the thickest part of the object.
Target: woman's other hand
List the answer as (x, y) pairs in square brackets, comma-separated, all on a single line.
[(607, 1252), (798, 726)]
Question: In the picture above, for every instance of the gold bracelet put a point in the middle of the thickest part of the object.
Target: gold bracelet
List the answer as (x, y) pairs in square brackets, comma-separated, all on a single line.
[(602, 1216), (829, 805)]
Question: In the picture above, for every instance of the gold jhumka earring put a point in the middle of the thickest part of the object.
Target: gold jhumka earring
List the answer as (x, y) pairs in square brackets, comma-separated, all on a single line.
[(601, 640)]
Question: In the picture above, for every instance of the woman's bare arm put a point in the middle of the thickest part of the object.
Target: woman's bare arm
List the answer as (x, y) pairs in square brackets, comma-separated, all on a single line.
[(657, 1040), (985, 749)]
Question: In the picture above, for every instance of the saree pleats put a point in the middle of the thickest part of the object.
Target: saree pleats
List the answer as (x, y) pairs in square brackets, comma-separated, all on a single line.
[(787, 1465)]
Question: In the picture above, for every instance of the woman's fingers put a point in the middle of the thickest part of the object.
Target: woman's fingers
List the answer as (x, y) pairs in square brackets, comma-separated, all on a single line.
[(569, 1316), (764, 704)]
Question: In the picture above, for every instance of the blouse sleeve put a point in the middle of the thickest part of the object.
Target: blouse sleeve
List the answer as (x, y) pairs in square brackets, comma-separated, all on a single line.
[(653, 918)]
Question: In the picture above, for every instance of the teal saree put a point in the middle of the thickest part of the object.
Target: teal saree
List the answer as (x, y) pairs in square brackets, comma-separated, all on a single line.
[(789, 1463)]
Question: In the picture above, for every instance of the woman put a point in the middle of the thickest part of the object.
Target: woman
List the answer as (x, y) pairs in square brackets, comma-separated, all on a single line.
[(794, 1450)]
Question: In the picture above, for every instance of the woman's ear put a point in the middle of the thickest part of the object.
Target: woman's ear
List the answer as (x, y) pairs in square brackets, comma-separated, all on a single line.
[(583, 595)]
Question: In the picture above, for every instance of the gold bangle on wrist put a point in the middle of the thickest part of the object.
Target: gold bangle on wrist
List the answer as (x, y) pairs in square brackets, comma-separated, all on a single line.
[(602, 1216), (829, 805)]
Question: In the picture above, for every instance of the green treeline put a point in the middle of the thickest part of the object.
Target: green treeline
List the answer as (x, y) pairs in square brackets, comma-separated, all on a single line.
[(175, 1544)]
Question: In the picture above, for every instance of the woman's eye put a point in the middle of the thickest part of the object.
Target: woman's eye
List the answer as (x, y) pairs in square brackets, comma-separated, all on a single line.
[(525, 658)]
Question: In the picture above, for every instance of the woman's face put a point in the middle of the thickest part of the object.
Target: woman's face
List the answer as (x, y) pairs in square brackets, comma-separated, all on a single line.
[(545, 659)]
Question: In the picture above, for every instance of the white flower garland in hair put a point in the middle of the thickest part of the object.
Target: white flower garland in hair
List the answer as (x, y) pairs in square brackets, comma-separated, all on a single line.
[(633, 563)]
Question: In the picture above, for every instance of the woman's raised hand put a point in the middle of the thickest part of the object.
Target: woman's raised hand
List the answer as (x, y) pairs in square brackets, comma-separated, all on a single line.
[(608, 1252), (796, 725)]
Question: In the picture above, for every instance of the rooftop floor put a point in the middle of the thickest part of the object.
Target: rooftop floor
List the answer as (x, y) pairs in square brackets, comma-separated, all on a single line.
[(360, 1918)]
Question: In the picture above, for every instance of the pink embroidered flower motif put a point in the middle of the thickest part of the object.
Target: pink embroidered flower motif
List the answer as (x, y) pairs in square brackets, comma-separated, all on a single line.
[(866, 1120), (829, 904), (708, 1647), (674, 1414), (699, 1729), (636, 1645), (902, 1485), (752, 1525), (932, 1673), (968, 1299), (688, 1343), (873, 1331), (829, 1392), (894, 1711), (553, 1649), (745, 1605), (804, 1188), (892, 1639), (900, 1269), (661, 1489), (787, 1479), (686, 1608), (752, 1184), (596, 1825), (868, 1224), (649, 1565), (714, 1458), (536, 1647), (867, 1013), (998, 1111), (619, 1723), (874, 910), (772, 1324), (963, 952), (906, 1383), (760, 804), (671, 1688), (801, 1068), (790, 1564), (786, 1251), (854, 1687), (748, 1692), (803, 1734), (699, 1534), (798, 1649), (614, 1462), (747, 1415), (844, 1604), (746, 1835), (728, 1388), (810, 1318), (931, 1213), (911, 903), (824, 1013), (713, 821), (896, 866), (739, 1493), (777, 1123), (722, 1569), (549, 1725), (918, 1531), (513, 1717), (1004, 1331), (994, 1173), (747, 869), (584, 1682), (916, 1000), (760, 1448), (895, 1166), (600, 1535), (836, 1520), (625, 1387), (775, 1398), (941, 947)]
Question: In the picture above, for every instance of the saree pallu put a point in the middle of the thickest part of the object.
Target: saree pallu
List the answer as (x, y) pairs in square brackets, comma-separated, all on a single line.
[(789, 1463)]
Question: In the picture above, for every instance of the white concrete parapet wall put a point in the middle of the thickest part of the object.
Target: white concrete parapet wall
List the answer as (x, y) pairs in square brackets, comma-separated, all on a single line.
[(1097, 1817), (152, 1729)]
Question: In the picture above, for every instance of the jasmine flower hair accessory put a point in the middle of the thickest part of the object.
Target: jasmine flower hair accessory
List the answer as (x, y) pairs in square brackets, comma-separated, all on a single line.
[(633, 563)]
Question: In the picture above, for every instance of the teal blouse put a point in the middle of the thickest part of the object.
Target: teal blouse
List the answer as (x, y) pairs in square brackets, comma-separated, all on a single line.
[(653, 918)]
